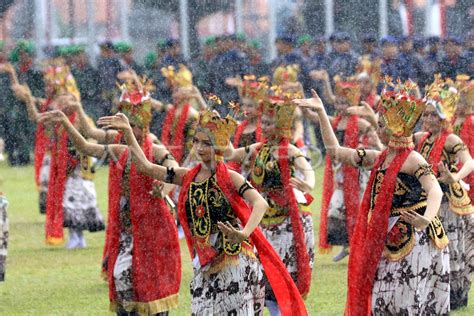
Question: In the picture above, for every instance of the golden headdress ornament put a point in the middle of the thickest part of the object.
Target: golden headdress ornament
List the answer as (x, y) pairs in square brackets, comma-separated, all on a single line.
[(284, 74), (255, 89), (399, 109), (444, 96), (135, 101), (178, 79), (465, 88), (370, 67), (219, 130), (348, 89), (58, 74)]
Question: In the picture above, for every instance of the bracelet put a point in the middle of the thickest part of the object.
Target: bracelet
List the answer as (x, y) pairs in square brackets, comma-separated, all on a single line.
[(170, 173)]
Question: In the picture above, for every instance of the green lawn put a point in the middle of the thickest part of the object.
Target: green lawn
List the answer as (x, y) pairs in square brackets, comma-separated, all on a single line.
[(42, 280)]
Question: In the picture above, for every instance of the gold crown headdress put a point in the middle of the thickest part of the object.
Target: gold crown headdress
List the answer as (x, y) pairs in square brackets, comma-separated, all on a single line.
[(255, 89), (371, 67), (348, 89), (399, 109), (284, 74), (465, 88), (178, 79), (58, 74), (443, 95), (219, 130), (135, 102)]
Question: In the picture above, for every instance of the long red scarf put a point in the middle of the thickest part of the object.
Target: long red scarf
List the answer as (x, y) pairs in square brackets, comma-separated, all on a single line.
[(114, 169), (175, 144), (467, 135), (369, 237), (42, 143), (156, 261), (436, 153), (351, 187), (61, 159), (287, 294)]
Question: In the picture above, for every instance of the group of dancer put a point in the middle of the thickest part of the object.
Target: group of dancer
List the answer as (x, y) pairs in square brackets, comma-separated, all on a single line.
[(395, 193)]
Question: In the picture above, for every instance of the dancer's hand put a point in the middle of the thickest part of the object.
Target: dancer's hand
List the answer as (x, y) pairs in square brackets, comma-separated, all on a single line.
[(55, 116), (68, 102), (235, 236), (419, 221), (445, 175), (119, 122), (299, 184), (233, 82), (157, 189), (313, 103), (361, 110)]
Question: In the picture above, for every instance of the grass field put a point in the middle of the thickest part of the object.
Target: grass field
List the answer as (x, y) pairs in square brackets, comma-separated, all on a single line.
[(42, 280)]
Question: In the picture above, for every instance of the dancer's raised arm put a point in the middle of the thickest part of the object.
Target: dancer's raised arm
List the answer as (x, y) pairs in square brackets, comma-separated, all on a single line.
[(87, 129), (120, 122), (354, 157), (80, 143), (23, 93)]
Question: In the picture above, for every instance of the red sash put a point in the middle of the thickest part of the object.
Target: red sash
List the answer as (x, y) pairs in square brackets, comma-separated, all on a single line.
[(61, 160), (434, 157), (287, 294), (369, 237), (351, 187), (177, 143), (42, 143), (156, 263)]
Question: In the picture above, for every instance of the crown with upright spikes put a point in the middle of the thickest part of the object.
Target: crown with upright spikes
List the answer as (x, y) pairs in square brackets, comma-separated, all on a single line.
[(178, 79), (465, 88), (348, 89), (444, 96), (399, 109), (254, 88), (135, 101), (284, 74), (371, 67), (219, 130), (59, 75)]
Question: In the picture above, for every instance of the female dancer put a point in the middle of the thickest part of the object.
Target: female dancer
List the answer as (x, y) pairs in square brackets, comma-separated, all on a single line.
[(249, 131), (343, 185), (71, 197), (399, 259), (140, 223), (178, 126), (443, 150), (288, 223), (227, 274)]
